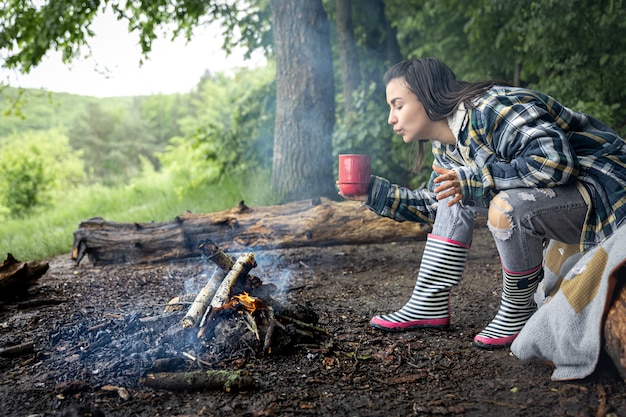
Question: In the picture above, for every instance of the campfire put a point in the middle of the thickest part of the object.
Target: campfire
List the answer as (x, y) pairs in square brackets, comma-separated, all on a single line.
[(236, 316), (232, 294)]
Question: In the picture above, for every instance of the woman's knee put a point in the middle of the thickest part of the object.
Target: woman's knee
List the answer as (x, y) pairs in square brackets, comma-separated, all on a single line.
[(500, 217)]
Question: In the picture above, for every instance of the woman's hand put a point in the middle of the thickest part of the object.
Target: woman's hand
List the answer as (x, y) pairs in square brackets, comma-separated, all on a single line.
[(353, 197), (449, 185)]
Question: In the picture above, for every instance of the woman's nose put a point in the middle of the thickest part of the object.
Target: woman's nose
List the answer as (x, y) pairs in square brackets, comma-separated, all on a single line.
[(391, 119)]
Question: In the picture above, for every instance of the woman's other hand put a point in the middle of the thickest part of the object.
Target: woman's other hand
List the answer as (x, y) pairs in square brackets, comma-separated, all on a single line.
[(449, 185)]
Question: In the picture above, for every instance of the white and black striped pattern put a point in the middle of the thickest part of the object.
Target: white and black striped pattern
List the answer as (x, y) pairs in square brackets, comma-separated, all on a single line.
[(442, 266), (516, 306)]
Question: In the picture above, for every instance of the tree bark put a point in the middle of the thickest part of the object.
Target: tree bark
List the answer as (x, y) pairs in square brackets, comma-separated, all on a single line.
[(348, 57), (298, 224), (615, 322), (305, 101)]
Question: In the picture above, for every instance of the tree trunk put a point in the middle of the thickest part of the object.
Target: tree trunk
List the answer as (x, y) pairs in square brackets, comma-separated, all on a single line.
[(305, 101), (298, 224), (348, 57)]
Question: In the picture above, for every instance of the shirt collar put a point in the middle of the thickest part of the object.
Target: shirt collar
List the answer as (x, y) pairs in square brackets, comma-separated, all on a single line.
[(458, 120)]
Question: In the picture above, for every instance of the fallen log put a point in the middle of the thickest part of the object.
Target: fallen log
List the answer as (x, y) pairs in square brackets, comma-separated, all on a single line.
[(319, 222), (198, 380), (615, 324), (16, 276)]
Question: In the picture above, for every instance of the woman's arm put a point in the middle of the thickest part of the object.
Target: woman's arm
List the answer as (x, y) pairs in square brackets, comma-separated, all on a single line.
[(401, 203)]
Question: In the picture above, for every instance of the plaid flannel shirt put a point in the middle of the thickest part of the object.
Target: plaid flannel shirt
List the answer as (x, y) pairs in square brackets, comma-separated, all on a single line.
[(516, 138)]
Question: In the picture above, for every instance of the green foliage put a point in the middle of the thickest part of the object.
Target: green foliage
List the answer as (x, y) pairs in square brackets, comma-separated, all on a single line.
[(573, 50), (31, 28), (161, 114), (247, 25), (230, 134), (30, 109), (33, 165), (112, 132), (25, 182)]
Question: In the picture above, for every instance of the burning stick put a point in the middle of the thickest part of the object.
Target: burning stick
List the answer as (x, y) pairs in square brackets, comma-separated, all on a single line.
[(244, 264), (199, 306), (195, 380)]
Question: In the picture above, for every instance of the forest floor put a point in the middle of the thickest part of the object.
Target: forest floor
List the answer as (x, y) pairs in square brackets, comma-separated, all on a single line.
[(94, 341)]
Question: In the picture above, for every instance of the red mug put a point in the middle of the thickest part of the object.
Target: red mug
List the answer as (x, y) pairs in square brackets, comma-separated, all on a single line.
[(354, 173)]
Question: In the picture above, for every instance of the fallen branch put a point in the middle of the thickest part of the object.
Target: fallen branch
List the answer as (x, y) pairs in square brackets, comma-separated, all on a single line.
[(17, 350), (197, 380), (305, 325)]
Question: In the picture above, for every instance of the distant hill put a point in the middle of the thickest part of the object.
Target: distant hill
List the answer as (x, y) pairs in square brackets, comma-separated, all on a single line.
[(36, 109)]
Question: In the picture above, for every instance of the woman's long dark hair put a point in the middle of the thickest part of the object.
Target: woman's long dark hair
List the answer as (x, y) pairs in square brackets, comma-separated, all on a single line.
[(437, 88)]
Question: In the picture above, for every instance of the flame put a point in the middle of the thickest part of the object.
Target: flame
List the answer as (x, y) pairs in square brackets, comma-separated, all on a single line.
[(247, 302)]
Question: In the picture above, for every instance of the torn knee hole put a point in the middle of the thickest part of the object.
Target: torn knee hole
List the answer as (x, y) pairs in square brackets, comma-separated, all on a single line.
[(499, 218)]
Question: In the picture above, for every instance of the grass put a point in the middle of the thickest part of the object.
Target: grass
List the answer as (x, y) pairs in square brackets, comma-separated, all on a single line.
[(49, 232)]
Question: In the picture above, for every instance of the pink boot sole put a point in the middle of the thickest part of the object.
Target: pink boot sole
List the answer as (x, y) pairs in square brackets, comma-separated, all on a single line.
[(390, 326), (494, 342)]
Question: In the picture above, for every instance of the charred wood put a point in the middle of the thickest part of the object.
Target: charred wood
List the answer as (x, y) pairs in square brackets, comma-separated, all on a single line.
[(216, 255), (16, 276)]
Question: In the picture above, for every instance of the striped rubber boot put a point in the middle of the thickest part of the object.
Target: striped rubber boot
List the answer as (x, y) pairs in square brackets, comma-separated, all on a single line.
[(516, 307), (442, 266)]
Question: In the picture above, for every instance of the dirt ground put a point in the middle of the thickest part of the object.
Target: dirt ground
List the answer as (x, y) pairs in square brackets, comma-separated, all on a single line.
[(97, 330)]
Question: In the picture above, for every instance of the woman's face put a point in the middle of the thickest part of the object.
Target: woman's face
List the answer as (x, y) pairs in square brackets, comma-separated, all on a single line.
[(407, 114)]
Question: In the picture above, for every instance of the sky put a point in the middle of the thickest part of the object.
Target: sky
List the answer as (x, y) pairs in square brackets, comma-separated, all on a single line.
[(114, 67)]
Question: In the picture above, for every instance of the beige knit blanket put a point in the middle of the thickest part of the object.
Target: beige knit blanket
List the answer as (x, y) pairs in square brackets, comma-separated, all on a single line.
[(567, 328)]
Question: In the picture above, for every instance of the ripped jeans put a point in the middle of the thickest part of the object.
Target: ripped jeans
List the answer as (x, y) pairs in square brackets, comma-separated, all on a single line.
[(520, 220)]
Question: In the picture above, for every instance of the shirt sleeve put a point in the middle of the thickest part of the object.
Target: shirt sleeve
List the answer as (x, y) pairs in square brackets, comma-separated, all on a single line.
[(516, 143), (401, 203)]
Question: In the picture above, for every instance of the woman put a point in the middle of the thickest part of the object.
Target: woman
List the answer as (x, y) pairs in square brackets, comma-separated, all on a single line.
[(537, 170)]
